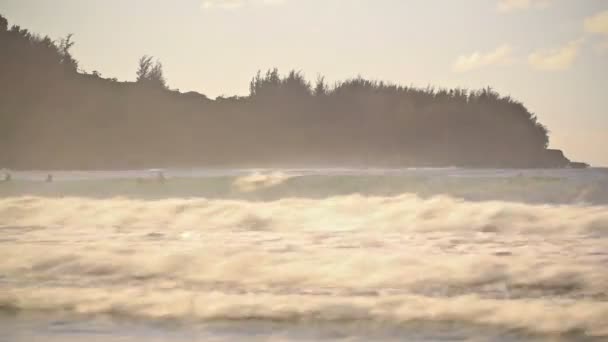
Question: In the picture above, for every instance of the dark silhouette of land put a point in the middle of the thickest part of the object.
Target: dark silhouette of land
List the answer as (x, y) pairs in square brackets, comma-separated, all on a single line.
[(55, 116)]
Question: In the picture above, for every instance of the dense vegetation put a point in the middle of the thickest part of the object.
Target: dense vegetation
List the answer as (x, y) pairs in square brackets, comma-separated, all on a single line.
[(54, 115)]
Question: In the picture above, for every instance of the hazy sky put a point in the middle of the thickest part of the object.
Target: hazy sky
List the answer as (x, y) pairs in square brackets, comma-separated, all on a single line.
[(550, 54)]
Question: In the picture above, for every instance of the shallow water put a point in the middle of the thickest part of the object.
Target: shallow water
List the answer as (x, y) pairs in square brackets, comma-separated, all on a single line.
[(306, 255)]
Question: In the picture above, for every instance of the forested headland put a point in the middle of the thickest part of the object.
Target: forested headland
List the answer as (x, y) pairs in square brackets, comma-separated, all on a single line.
[(56, 116)]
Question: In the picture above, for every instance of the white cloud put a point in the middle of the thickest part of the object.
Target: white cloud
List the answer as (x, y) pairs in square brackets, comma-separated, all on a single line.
[(224, 4), (234, 4), (273, 2), (514, 5), (556, 59), (500, 56), (597, 23)]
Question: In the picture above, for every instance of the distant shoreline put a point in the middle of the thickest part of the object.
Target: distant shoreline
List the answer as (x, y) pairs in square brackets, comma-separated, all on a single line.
[(56, 116), (263, 169)]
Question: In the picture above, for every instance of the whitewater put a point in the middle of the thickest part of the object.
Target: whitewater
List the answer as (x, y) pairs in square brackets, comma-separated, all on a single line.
[(305, 255)]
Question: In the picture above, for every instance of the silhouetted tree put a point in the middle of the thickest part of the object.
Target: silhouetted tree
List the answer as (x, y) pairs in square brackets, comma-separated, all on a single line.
[(3, 23), (150, 73), (320, 86), (48, 105), (67, 60), (144, 66)]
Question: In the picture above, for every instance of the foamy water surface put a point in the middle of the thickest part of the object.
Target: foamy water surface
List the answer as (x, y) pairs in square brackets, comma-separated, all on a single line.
[(306, 255)]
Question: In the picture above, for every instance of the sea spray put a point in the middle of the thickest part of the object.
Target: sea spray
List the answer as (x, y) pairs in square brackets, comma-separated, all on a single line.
[(393, 260)]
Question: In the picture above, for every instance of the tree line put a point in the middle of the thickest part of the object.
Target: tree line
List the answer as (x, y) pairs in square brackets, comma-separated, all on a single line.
[(55, 115)]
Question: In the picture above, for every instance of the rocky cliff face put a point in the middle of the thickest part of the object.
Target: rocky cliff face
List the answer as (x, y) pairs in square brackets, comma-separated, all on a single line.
[(556, 159)]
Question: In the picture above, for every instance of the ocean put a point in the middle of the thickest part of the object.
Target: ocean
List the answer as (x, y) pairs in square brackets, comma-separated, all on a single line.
[(304, 255)]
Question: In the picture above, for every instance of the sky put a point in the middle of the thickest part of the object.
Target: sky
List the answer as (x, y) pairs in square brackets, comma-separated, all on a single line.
[(552, 55)]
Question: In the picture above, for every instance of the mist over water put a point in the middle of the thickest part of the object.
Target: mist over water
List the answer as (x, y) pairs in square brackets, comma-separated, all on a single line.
[(500, 255)]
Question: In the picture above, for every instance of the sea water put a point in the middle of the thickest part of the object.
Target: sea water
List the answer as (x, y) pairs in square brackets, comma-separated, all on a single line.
[(305, 255)]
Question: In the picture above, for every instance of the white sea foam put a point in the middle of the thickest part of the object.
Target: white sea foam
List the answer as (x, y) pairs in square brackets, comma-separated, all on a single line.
[(392, 260), (259, 180)]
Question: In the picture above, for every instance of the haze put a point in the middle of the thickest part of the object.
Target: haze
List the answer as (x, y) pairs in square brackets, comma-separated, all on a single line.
[(551, 55)]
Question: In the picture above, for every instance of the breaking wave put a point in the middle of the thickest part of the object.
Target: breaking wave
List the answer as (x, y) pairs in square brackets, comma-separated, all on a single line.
[(257, 181), (589, 187), (287, 249)]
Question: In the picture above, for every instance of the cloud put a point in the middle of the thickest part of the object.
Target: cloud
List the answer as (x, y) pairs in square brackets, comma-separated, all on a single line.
[(555, 59), (273, 2), (514, 5), (500, 56), (597, 23), (234, 4), (223, 4)]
